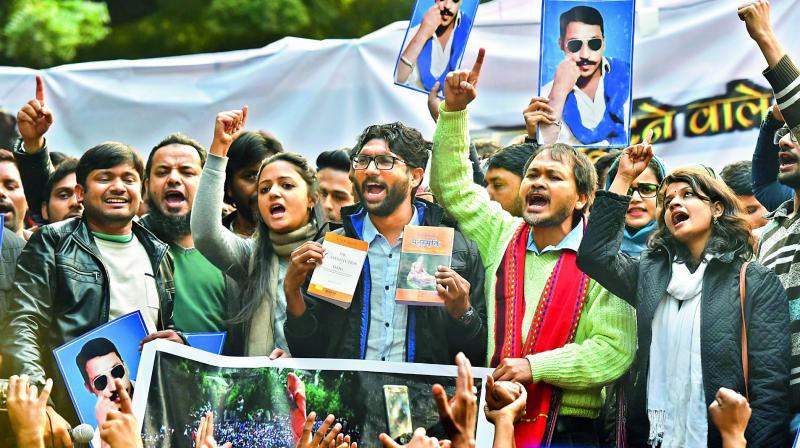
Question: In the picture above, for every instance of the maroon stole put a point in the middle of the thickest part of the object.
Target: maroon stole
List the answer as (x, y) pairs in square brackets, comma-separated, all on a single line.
[(554, 325)]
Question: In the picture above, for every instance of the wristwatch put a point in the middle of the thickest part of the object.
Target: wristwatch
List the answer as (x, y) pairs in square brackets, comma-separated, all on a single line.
[(467, 317)]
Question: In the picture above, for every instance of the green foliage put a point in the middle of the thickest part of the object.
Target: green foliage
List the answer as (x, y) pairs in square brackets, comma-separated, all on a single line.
[(47, 32)]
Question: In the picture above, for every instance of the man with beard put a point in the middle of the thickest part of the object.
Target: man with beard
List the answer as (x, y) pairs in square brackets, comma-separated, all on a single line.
[(436, 46), (12, 196), (57, 201), (780, 239), (244, 160), (172, 173), (387, 167), (78, 274), (551, 328), (587, 101)]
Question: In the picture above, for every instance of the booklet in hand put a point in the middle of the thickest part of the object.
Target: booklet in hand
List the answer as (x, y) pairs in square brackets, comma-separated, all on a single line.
[(424, 250), (335, 279)]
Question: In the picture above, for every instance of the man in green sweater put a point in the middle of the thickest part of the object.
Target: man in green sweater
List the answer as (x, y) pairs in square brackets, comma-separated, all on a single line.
[(550, 326)]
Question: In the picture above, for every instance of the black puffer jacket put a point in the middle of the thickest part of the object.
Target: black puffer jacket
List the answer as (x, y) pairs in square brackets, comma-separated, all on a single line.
[(643, 283), (432, 336), (61, 292)]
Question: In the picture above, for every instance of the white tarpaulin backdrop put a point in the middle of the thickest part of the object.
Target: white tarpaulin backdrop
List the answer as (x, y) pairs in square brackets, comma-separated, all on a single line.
[(318, 95)]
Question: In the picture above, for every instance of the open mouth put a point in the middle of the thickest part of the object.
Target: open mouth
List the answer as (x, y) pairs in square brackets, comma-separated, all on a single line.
[(174, 199), (277, 211), (116, 201), (787, 161), (585, 63), (5, 207), (679, 217), (374, 191), (537, 202)]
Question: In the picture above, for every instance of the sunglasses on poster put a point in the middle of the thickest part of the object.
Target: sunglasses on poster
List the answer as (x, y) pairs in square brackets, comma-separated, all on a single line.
[(101, 381), (575, 45)]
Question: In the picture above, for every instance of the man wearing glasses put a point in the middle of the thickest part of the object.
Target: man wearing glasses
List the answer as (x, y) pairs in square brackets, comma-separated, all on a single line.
[(387, 167), (100, 363), (588, 97)]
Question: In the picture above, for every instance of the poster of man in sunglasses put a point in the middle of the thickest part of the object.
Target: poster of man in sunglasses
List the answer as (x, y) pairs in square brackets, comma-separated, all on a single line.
[(90, 363), (434, 42), (585, 72)]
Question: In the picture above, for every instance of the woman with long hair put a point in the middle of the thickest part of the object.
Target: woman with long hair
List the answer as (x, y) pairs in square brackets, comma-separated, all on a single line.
[(686, 290), (287, 195)]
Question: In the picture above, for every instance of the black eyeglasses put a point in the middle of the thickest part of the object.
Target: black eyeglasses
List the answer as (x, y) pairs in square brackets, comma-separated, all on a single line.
[(645, 190), (382, 161), (101, 381), (780, 133), (575, 45)]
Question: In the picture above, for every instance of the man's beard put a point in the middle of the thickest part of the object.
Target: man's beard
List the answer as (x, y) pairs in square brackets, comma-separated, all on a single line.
[(394, 197), (168, 228), (790, 179), (554, 220)]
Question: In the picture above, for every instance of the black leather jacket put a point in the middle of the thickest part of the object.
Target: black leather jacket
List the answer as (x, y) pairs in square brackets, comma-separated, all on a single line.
[(328, 331), (61, 292), (643, 283)]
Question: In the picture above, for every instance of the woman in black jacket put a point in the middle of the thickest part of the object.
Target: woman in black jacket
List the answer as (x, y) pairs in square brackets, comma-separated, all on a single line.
[(685, 288)]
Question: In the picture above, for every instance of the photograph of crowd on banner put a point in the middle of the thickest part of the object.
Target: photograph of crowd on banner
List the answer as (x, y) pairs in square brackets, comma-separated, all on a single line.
[(257, 407), (90, 363), (435, 42), (585, 70)]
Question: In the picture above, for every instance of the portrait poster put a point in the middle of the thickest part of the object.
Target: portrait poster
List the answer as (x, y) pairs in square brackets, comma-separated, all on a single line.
[(258, 402), (586, 71), (90, 362), (434, 42)]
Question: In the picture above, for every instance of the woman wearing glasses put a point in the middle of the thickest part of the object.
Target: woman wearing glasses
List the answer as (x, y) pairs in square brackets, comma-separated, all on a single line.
[(640, 218), (685, 287), (286, 218)]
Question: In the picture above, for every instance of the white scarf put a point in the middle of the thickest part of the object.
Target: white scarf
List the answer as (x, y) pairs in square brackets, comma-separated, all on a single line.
[(676, 405)]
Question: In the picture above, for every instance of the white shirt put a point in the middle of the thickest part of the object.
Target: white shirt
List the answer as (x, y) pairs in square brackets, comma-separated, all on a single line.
[(440, 56), (132, 285), (590, 109)]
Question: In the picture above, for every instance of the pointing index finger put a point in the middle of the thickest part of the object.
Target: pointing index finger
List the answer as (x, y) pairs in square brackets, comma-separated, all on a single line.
[(648, 137), (125, 405), (476, 69), (40, 89)]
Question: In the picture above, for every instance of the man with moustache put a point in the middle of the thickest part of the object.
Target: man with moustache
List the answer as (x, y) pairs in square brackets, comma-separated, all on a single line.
[(13, 206), (387, 166), (587, 101), (78, 274), (435, 47), (550, 327), (780, 239)]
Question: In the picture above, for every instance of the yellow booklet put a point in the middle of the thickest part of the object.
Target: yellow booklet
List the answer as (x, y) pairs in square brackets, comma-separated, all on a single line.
[(424, 250), (335, 279)]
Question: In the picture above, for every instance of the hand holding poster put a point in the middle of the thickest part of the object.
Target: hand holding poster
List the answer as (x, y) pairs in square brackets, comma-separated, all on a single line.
[(585, 72), (435, 42)]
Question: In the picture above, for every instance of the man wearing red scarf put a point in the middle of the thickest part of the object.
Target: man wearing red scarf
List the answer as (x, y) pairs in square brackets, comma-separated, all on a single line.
[(550, 326)]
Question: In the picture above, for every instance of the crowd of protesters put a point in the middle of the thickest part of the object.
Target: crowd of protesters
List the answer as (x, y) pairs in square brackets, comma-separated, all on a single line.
[(664, 298)]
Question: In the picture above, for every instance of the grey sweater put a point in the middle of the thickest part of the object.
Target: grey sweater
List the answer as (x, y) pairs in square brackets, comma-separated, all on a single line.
[(232, 255)]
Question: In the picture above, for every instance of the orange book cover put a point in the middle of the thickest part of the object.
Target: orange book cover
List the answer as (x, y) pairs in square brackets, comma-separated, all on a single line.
[(424, 250)]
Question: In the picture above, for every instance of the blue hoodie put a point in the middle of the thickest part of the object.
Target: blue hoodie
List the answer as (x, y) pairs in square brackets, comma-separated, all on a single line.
[(634, 243)]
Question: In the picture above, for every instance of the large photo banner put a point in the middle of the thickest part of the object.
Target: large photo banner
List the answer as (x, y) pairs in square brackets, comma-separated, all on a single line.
[(258, 402)]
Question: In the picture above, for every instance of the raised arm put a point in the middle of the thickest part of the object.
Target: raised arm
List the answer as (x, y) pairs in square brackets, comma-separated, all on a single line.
[(782, 74), (479, 218), (765, 164), (425, 31), (33, 159), (599, 254), (227, 251)]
